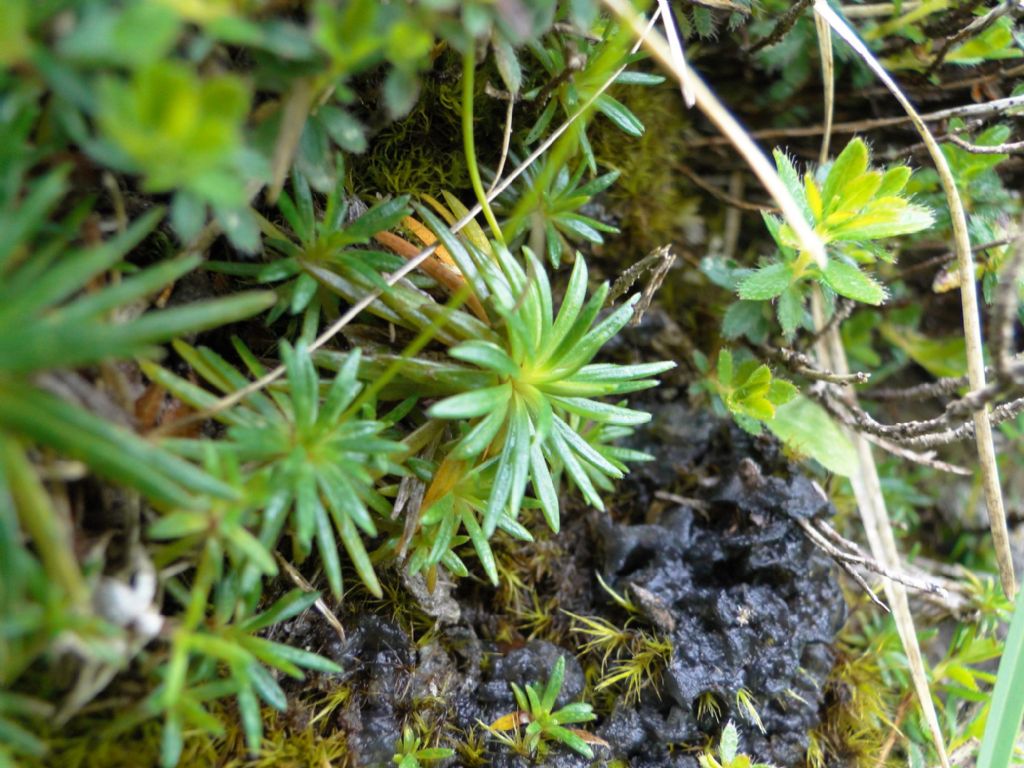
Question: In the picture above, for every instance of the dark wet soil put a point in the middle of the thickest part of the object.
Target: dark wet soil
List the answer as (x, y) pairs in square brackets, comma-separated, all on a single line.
[(720, 569)]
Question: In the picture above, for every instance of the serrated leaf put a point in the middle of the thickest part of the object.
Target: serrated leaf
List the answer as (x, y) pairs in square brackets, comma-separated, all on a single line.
[(766, 283), (849, 281), (744, 318), (789, 176)]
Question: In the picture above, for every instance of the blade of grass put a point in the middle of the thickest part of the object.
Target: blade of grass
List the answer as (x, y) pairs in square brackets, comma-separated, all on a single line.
[(109, 449), (50, 534), (1002, 729), (469, 144)]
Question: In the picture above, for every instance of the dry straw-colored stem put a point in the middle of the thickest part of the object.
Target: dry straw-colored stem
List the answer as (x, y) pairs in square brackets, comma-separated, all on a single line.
[(716, 112), (867, 489), (968, 300)]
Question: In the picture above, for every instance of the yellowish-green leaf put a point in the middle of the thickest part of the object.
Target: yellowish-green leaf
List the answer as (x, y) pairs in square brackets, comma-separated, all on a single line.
[(806, 428), (851, 163), (940, 357)]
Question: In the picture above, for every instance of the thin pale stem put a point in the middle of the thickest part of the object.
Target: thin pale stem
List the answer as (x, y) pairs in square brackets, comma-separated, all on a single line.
[(968, 300), (469, 142), (717, 113), (828, 81), (867, 490)]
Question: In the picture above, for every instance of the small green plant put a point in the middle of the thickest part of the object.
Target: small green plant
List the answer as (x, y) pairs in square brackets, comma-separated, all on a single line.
[(323, 242), (412, 754), (201, 647), (748, 390), (851, 208), (318, 459), (538, 378), (569, 89), (983, 192), (557, 207), (183, 132), (728, 754), (544, 725)]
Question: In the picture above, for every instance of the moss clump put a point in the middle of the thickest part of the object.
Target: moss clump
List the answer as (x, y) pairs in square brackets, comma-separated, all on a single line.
[(857, 718), (651, 200), (423, 153)]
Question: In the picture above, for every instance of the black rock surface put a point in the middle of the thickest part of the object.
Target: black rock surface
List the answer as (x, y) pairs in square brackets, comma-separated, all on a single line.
[(754, 606), (748, 603)]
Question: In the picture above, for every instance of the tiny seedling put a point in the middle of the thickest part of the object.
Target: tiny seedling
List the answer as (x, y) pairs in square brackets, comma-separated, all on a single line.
[(412, 754), (542, 724), (728, 757)]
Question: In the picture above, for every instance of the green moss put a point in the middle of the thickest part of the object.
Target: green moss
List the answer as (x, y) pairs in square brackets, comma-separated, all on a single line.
[(858, 716), (652, 199)]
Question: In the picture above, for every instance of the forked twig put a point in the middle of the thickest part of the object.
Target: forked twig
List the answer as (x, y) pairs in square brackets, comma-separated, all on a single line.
[(839, 547), (299, 581), (1009, 148), (924, 459), (657, 262)]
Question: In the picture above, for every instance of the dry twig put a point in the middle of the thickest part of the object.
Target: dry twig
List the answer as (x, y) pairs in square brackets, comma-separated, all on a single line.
[(1013, 147), (299, 581), (987, 109), (968, 299)]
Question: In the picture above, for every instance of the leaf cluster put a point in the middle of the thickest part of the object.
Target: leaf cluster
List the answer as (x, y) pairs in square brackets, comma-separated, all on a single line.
[(851, 208), (544, 724)]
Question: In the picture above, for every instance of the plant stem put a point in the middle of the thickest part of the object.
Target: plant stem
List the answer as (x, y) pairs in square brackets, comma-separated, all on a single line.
[(716, 112), (867, 489), (48, 531), (469, 145), (968, 300)]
